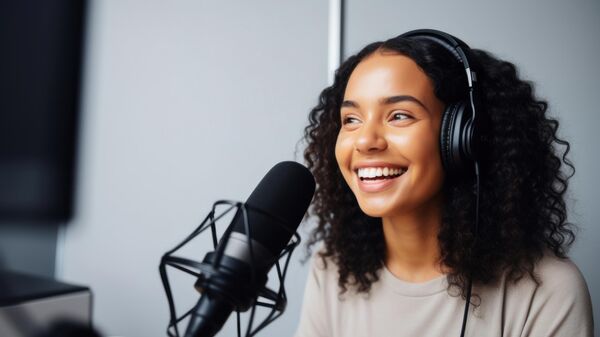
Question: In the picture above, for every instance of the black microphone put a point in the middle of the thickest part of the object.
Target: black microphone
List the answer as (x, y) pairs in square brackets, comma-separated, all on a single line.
[(274, 211)]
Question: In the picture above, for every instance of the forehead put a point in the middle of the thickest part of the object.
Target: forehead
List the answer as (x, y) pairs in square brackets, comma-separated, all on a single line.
[(387, 74)]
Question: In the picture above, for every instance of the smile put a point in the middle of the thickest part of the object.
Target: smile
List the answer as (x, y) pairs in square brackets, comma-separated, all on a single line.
[(378, 173), (378, 179)]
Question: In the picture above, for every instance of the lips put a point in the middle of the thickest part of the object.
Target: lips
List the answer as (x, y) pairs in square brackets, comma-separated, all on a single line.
[(378, 183)]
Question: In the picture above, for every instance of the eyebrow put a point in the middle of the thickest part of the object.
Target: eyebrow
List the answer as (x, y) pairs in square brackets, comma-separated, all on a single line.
[(387, 101)]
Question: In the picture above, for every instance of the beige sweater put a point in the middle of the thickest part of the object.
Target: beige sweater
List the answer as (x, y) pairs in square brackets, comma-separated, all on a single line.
[(559, 306)]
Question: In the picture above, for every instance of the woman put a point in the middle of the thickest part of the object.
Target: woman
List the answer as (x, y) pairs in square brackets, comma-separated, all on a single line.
[(403, 241)]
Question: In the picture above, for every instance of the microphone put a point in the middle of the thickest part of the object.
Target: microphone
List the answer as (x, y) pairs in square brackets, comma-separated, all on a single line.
[(251, 245)]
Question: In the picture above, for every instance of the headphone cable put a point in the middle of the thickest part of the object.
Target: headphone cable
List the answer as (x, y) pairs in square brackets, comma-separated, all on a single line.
[(475, 233)]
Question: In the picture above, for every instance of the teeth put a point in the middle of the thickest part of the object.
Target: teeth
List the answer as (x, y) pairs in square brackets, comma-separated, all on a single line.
[(372, 172)]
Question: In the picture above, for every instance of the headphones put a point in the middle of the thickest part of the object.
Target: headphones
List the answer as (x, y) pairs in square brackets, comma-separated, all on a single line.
[(458, 134)]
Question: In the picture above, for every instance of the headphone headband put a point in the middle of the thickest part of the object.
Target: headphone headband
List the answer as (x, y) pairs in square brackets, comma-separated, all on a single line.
[(454, 45)]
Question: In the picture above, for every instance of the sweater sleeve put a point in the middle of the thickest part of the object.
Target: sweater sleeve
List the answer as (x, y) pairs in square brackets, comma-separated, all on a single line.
[(562, 305), (313, 317)]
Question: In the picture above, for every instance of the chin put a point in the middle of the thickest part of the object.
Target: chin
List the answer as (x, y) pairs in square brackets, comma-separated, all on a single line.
[(376, 210), (381, 207)]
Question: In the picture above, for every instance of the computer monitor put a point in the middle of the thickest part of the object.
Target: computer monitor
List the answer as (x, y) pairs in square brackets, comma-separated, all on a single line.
[(40, 73)]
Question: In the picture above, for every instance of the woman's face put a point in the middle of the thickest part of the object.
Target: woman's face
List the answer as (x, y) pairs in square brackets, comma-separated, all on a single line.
[(388, 145)]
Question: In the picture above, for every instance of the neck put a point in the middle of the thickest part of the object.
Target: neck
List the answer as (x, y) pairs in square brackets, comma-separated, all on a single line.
[(412, 247)]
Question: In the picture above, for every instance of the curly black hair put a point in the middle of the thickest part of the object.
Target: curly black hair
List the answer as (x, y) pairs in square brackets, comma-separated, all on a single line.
[(522, 195)]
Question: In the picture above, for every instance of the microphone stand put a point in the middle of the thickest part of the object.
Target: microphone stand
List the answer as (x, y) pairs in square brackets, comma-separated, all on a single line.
[(275, 300)]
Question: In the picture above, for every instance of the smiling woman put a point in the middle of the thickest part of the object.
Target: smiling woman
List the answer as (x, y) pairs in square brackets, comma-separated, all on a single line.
[(399, 243)]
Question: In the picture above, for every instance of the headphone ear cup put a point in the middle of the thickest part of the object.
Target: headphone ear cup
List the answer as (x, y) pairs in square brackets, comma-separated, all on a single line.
[(446, 137), (456, 137)]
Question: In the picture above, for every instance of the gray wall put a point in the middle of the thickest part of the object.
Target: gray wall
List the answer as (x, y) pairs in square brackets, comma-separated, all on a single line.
[(554, 44), (185, 103)]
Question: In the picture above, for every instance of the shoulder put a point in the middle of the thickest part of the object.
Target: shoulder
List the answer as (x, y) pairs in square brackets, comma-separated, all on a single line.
[(552, 274), (555, 303), (561, 304), (559, 275)]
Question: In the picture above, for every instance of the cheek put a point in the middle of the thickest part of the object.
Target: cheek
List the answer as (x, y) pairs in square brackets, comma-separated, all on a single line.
[(425, 149), (416, 145), (426, 153), (423, 144), (421, 148), (343, 150), (343, 155)]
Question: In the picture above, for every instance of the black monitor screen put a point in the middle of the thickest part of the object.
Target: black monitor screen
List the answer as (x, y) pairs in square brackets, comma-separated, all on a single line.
[(40, 66)]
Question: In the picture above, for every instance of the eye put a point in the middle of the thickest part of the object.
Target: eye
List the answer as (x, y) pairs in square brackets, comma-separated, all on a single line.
[(350, 120), (400, 116)]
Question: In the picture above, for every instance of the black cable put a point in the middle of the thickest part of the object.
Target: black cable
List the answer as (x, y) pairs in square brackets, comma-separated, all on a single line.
[(475, 235), (239, 322), (467, 304)]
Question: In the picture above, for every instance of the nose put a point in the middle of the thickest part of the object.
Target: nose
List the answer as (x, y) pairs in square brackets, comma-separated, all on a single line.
[(370, 138)]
